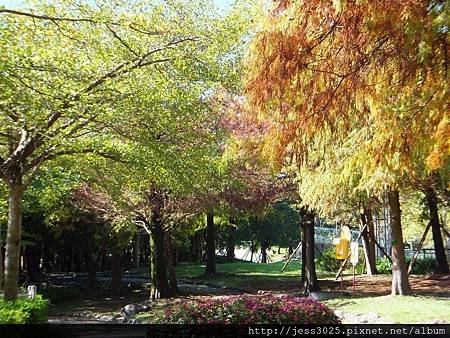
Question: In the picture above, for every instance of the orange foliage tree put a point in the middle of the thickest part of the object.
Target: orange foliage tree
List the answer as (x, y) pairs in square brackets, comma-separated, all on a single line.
[(321, 72)]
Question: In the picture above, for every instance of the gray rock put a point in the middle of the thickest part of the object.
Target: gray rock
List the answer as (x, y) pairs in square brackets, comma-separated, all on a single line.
[(368, 318), (324, 295), (350, 318), (339, 313), (121, 319), (131, 310)]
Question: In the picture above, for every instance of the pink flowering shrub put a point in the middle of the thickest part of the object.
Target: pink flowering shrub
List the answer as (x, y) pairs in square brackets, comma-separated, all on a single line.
[(252, 309)]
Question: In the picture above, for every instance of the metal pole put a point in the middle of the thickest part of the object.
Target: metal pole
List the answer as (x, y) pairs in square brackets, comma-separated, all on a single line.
[(353, 280)]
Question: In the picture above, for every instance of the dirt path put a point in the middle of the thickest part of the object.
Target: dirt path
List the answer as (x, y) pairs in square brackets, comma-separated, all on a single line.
[(380, 285)]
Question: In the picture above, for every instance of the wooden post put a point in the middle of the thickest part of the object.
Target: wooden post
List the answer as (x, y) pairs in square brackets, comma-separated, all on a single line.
[(419, 247), (353, 280), (292, 255), (381, 249), (444, 229), (324, 259)]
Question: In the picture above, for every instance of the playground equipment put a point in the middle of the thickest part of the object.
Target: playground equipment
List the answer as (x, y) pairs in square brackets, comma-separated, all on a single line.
[(342, 249), (342, 243), (354, 257)]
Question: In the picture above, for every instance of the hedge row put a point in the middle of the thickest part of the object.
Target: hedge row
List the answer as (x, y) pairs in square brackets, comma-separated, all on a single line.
[(24, 311)]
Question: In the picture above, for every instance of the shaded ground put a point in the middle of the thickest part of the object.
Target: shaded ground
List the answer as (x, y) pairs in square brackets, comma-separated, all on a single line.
[(430, 285), (250, 277)]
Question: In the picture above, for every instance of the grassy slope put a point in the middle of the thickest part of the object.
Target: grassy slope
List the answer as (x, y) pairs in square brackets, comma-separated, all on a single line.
[(400, 309)]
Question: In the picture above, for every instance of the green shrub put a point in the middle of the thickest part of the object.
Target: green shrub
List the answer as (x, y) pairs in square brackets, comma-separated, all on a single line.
[(423, 266), (254, 309), (24, 311), (383, 265), (327, 260)]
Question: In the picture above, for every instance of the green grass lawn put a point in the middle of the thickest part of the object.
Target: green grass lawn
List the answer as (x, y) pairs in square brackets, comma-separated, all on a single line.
[(399, 309), (246, 276), (189, 271)]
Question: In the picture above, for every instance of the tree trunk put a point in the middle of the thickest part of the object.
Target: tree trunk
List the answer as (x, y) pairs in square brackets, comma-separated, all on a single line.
[(137, 252), (231, 243), (13, 236), (1, 260), (439, 249), (76, 261), (310, 282), (371, 243), (46, 261), (210, 245), (91, 262), (92, 269), (303, 251), (160, 286), (264, 246), (116, 272), (400, 283), (368, 243), (251, 251), (68, 257), (33, 257), (196, 248), (171, 265)]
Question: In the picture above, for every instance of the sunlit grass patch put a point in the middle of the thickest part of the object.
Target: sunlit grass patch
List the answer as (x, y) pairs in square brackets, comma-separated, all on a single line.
[(399, 309)]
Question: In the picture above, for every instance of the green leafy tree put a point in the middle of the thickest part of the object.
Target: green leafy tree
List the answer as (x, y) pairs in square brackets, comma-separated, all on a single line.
[(74, 74)]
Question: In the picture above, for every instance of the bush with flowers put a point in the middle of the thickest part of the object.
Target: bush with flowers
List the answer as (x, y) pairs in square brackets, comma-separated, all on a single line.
[(251, 309)]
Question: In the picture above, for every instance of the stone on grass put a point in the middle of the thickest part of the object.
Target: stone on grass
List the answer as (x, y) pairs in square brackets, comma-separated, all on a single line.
[(131, 310), (324, 295), (339, 313), (350, 317), (368, 318)]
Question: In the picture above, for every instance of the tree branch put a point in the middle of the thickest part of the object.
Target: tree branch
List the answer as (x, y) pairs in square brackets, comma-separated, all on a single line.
[(45, 17), (126, 45), (51, 155), (89, 20)]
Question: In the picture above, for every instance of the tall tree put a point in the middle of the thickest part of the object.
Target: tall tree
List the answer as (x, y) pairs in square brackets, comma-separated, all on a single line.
[(368, 239), (441, 256), (210, 244), (309, 276), (72, 70), (322, 74)]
